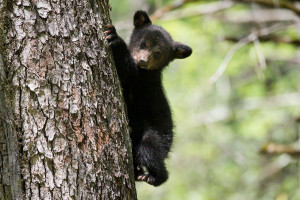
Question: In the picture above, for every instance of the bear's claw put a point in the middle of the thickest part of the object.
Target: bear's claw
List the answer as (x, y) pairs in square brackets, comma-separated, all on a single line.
[(147, 178), (111, 34)]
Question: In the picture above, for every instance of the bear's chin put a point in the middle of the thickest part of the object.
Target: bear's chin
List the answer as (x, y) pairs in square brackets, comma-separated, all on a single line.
[(144, 67)]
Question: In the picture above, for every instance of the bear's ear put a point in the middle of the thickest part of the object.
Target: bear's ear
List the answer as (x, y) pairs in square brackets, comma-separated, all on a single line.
[(181, 50), (141, 18)]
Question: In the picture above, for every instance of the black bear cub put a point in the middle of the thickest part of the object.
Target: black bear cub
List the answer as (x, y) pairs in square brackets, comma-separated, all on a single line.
[(140, 68)]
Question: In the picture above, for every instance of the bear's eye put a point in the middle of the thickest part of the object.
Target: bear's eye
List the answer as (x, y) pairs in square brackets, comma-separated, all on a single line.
[(143, 45), (157, 55)]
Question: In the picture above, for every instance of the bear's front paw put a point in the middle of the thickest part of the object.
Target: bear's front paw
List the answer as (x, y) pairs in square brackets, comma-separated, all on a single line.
[(112, 35)]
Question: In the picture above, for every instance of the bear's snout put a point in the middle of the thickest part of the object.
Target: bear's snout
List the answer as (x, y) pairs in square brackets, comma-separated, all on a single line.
[(142, 62)]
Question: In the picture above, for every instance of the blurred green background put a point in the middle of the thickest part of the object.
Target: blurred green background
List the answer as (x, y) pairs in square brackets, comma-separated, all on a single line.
[(237, 138)]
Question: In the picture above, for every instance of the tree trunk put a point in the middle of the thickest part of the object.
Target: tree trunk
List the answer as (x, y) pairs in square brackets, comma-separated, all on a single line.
[(63, 127)]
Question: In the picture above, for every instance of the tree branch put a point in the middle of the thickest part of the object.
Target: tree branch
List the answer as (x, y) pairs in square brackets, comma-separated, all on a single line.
[(262, 16), (250, 38), (274, 167), (273, 148), (194, 11), (270, 38), (271, 3), (173, 6)]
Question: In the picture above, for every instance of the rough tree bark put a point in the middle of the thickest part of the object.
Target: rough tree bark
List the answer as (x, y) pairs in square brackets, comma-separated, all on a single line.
[(63, 128)]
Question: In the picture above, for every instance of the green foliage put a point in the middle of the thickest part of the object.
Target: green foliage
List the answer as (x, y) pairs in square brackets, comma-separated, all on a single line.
[(220, 128)]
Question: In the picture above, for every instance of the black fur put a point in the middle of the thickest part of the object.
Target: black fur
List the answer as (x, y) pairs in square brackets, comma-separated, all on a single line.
[(149, 113)]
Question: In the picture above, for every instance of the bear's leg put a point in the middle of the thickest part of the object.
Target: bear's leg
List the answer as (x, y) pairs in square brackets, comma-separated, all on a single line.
[(152, 151), (138, 169)]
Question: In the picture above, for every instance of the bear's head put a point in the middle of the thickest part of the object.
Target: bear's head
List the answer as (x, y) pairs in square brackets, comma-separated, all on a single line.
[(151, 46)]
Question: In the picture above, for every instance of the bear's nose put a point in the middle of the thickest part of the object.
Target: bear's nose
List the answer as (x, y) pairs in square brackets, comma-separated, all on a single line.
[(142, 62)]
